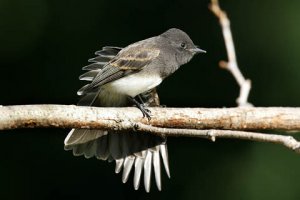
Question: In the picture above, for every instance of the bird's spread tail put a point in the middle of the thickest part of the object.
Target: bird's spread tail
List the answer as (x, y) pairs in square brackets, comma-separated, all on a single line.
[(130, 150)]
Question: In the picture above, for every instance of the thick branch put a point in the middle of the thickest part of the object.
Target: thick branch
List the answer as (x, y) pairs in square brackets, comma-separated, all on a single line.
[(70, 116), (165, 121), (231, 65)]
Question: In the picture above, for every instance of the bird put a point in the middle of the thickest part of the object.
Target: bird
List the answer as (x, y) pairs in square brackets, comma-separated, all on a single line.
[(129, 76)]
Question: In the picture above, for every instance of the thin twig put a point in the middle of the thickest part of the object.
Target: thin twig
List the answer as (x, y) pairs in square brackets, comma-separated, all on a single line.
[(231, 65), (212, 134)]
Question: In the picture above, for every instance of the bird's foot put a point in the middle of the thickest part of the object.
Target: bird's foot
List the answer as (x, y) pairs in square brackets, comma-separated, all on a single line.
[(145, 111)]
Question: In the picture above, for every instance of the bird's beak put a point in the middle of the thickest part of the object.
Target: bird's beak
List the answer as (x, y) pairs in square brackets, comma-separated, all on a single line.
[(197, 50)]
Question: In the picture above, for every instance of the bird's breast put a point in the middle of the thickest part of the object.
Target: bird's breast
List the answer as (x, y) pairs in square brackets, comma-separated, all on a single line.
[(134, 84)]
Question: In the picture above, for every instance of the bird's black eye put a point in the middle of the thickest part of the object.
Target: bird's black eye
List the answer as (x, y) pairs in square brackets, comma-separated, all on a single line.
[(183, 45)]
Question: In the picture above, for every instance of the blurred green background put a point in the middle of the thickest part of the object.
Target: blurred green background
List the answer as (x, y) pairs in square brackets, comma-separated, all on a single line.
[(44, 44)]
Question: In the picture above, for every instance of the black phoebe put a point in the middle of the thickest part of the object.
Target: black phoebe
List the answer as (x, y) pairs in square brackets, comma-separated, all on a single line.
[(123, 77)]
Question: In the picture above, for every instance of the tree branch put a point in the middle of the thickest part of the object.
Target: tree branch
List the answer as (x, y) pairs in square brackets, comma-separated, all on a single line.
[(212, 134), (165, 121), (71, 116), (231, 65)]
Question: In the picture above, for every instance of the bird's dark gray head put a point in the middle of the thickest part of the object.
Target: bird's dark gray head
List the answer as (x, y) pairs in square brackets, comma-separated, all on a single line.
[(184, 47)]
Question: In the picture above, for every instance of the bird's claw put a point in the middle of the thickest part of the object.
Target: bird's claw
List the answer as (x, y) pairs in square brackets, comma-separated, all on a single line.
[(146, 112)]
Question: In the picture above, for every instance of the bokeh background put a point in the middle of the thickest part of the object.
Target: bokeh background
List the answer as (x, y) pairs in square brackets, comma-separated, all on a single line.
[(44, 44)]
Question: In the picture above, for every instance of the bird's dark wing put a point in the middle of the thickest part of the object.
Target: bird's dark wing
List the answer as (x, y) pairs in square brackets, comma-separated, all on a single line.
[(103, 57), (128, 61)]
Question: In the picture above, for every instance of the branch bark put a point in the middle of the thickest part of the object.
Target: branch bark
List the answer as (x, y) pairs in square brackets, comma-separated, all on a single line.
[(71, 116), (190, 122)]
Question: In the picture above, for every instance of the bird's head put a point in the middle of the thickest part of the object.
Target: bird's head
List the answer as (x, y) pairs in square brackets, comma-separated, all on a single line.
[(182, 44)]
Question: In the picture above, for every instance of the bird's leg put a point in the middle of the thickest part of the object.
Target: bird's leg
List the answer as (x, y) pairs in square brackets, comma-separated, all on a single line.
[(141, 99), (146, 112)]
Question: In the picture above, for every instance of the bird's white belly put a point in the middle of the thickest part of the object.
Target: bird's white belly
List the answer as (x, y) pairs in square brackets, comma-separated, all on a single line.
[(134, 84)]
